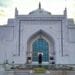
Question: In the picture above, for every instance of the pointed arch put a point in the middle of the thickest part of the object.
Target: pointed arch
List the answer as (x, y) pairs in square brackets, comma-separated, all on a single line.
[(46, 37), (41, 32)]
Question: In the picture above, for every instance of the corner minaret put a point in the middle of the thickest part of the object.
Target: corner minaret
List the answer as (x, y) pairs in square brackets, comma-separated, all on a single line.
[(16, 12), (39, 5), (65, 12)]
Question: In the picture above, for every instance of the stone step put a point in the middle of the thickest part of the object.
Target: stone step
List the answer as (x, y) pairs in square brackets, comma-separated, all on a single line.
[(47, 73), (39, 74), (22, 73)]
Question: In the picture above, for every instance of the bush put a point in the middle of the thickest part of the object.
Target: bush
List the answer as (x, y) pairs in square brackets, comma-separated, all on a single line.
[(39, 70)]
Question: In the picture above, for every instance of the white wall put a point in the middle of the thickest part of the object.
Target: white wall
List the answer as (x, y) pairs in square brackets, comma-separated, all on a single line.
[(9, 38)]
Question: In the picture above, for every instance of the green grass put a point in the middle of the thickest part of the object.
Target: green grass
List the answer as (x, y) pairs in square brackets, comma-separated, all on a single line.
[(39, 70)]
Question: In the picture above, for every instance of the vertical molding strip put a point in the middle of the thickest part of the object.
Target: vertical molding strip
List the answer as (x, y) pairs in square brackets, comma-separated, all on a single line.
[(19, 39), (61, 38)]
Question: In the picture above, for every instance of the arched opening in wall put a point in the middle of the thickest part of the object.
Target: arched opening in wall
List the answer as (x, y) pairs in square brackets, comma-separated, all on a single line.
[(40, 48)]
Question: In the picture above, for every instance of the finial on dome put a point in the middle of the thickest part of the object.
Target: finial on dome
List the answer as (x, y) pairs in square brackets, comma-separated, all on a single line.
[(39, 5)]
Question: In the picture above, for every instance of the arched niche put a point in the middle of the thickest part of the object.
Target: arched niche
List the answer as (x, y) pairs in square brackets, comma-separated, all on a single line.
[(40, 35)]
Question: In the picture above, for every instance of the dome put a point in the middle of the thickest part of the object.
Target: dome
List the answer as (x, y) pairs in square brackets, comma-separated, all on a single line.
[(40, 11)]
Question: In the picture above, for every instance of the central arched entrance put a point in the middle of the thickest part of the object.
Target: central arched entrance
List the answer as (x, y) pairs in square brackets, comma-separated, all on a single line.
[(42, 44), (40, 49)]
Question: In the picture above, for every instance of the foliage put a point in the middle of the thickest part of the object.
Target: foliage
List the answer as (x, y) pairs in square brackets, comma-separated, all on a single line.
[(39, 70)]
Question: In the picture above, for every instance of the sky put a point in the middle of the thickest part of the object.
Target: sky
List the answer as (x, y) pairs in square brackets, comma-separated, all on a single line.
[(7, 7)]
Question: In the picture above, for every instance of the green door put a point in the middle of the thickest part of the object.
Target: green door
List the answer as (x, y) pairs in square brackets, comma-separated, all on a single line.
[(40, 46)]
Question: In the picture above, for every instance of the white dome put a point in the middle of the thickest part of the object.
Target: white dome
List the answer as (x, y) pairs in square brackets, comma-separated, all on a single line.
[(40, 11)]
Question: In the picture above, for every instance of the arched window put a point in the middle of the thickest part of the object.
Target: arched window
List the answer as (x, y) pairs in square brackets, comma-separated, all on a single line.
[(40, 46)]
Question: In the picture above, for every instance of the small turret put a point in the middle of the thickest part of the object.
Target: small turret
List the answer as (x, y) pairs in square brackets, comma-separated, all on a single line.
[(65, 12), (16, 12), (39, 5)]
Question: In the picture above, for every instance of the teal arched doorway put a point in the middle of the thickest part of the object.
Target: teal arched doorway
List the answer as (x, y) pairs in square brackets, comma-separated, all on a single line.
[(40, 46), (40, 42)]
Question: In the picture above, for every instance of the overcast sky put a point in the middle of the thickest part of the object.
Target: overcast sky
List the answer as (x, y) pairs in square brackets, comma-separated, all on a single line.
[(25, 6)]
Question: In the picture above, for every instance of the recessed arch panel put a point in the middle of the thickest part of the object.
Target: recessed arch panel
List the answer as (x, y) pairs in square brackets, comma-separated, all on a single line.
[(40, 42)]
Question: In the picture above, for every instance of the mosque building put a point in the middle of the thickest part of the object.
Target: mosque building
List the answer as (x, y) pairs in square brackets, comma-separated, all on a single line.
[(39, 37)]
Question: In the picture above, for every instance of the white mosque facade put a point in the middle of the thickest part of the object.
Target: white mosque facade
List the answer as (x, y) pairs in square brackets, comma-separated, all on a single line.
[(26, 37)]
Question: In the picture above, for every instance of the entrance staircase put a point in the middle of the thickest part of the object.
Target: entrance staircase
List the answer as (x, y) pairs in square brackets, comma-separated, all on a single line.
[(33, 71), (28, 73), (49, 73), (22, 73), (40, 70)]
